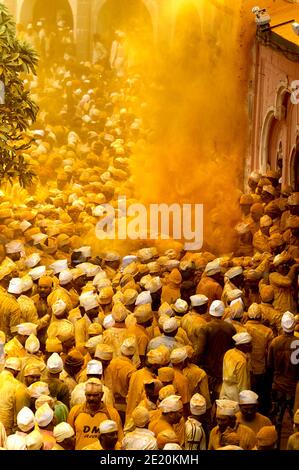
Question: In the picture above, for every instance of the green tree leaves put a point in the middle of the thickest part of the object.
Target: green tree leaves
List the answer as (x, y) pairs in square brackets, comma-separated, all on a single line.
[(18, 111)]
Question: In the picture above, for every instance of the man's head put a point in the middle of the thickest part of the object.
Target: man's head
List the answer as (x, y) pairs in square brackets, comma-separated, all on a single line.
[(248, 401), (243, 342), (199, 303), (226, 414), (45, 285), (235, 275), (172, 409), (94, 393), (266, 438), (282, 263), (32, 374), (64, 435), (108, 434), (13, 365)]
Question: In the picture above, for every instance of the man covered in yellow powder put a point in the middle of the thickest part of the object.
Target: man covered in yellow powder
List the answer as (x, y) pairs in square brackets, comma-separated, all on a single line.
[(193, 321), (236, 372), (283, 280), (86, 419), (10, 314), (227, 424), (171, 418), (90, 305), (171, 290), (210, 283), (108, 438)]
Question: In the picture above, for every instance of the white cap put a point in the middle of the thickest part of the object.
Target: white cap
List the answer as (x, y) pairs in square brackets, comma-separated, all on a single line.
[(248, 397), (26, 329), (37, 272), (39, 238), (236, 308), (153, 285), (198, 299), (85, 250), (65, 277), (63, 431), (180, 306), (171, 403), (254, 311), (38, 388), (234, 294), (227, 407), (143, 298), (34, 440), (58, 308), (212, 268), (94, 367), (288, 322), (25, 419), (55, 364), (15, 286), (172, 446), (242, 338), (99, 277), (15, 246), (234, 272), (24, 225), (32, 260), (108, 426), (16, 442), (92, 342), (32, 344), (44, 415), (217, 308), (198, 404), (108, 321), (59, 265), (178, 355), (128, 347), (170, 325), (88, 300), (91, 270), (13, 363)]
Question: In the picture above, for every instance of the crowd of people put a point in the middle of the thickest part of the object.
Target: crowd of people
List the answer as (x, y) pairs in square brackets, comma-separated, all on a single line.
[(144, 349)]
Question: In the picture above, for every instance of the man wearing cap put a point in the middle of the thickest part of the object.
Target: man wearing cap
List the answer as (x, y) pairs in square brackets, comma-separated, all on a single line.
[(85, 419), (168, 338), (45, 285), (58, 389), (267, 438), (194, 320), (236, 373), (227, 424), (195, 437), (140, 438), (115, 335), (260, 240), (15, 347), (171, 290), (214, 340), (64, 435), (284, 370), (197, 378), (293, 441), (171, 418), (108, 439), (248, 415), (261, 339), (27, 305), (119, 372), (270, 316), (94, 370), (283, 281), (291, 236), (13, 394), (89, 307), (210, 283)]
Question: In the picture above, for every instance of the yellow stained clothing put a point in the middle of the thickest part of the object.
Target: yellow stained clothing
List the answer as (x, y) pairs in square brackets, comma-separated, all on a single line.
[(181, 384), (260, 243), (160, 425), (271, 316), (14, 348), (197, 381), (114, 337), (10, 314), (284, 299), (293, 442), (86, 426), (28, 309), (256, 424), (182, 337), (13, 397), (141, 336), (136, 391), (236, 375), (261, 339), (81, 331), (118, 375), (192, 323), (245, 435)]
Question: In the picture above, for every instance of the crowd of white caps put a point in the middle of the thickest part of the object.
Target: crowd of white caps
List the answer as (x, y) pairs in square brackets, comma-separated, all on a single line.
[(147, 349)]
